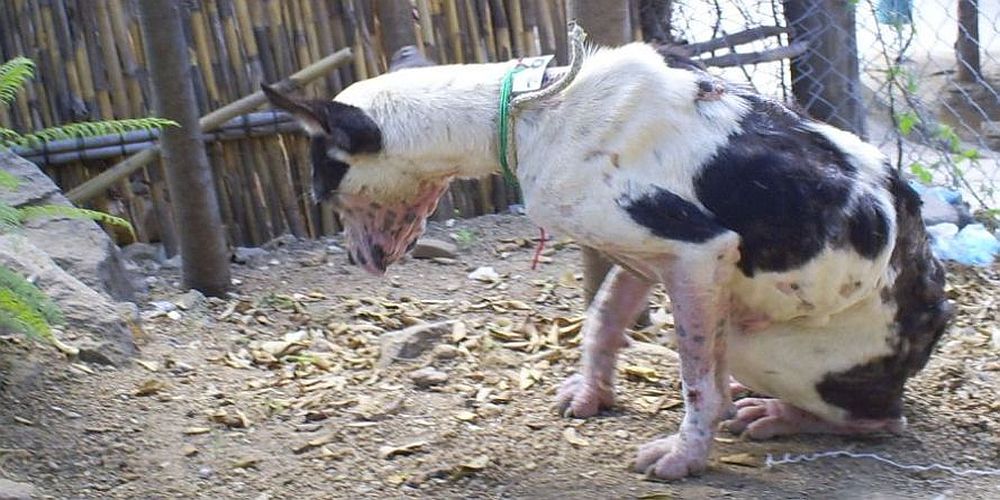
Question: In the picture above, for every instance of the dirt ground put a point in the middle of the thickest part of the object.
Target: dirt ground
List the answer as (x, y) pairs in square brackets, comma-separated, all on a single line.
[(277, 393)]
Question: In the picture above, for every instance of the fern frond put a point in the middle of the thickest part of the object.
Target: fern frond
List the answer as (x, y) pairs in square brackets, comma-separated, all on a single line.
[(19, 316), (93, 129), (13, 74), (8, 137), (31, 295), (54, 211)]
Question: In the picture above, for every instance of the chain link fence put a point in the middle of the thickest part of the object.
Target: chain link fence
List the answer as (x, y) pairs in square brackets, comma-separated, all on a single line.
[(924, 85)]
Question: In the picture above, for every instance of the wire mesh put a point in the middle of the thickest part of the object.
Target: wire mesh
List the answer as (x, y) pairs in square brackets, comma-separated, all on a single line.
[(892, 70)]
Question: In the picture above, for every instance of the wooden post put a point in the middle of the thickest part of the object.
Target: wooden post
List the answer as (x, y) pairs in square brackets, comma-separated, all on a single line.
[(825, 79), (606, 23), (203, 245), (967, 45), (396, 20)]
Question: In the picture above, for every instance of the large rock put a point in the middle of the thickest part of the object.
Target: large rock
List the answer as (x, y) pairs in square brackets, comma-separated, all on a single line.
[(103, 328), (13, 490), (80, 247)]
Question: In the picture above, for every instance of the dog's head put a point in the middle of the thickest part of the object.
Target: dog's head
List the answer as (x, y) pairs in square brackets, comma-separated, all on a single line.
[(382, 201)]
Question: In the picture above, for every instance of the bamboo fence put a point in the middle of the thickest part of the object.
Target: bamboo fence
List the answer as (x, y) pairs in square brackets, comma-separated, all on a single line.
[(91, 67)]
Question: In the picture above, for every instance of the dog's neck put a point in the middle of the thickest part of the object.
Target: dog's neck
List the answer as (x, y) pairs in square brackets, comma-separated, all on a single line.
[(443, 120)]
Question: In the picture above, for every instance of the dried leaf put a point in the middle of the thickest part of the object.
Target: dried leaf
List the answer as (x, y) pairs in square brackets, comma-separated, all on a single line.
[(150, 387), (743, 459), (152, 366), (641, 373), (406, 449), (246, 462), (570, 435), (465, 416), (314, 443), (193, 431)]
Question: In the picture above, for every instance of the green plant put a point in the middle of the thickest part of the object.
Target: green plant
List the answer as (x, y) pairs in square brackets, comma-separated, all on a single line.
[(17, 71), (23, 307)]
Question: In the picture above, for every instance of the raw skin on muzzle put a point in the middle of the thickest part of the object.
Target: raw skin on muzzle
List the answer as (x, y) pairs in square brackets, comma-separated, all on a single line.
[(380, 233)]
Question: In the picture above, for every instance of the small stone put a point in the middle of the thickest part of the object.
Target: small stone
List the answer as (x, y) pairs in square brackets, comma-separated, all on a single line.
[(144, 252), (163, 306), (411, 342), (249, 255), (485, 274), (445, 351), (189, 450), (321, 345), (430, 248), (428, 377), (172, 263), (174, 315), (190, 300), (205, 472)]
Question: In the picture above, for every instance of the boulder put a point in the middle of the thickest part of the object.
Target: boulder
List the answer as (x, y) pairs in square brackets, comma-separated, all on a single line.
[(102, 327), (80, 247), (13, 490)]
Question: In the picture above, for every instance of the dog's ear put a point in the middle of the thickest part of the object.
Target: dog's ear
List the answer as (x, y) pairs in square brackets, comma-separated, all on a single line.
[(346, 128), (303, 111)]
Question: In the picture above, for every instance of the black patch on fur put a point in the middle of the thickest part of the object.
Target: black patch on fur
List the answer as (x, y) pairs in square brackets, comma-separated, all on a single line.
[(326, 172), (669, 216), (782, 187), (875, 389), (345, 127), (868, 227)]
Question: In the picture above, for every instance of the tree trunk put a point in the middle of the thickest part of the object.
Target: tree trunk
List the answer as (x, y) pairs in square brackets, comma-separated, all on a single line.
[(396, 20), (967, 45), (656, 20), (606, 23), (189, 178), (825, 79)]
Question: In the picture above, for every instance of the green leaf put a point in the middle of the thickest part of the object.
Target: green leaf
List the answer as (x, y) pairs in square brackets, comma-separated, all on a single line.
[(13, 74), (907, 121), (923, 174)]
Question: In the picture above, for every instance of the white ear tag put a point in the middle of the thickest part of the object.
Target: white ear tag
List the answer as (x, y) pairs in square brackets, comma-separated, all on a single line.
[(533, 72)]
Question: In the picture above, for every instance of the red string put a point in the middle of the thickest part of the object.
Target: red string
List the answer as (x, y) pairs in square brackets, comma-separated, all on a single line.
[(538, 250)]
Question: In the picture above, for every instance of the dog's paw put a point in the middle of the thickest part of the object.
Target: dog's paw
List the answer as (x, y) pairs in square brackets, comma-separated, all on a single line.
[(582, 398), (668, 458)]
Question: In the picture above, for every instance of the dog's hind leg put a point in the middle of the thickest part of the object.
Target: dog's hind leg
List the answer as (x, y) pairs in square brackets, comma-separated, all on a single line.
[(618, 302), (764, 418), (698, 284)]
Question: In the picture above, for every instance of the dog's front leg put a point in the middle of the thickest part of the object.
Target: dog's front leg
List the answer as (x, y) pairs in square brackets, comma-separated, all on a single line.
[(620, 299), (698, 285)]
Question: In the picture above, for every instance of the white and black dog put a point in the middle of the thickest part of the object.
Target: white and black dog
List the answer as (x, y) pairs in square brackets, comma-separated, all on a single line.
[(794, 255)]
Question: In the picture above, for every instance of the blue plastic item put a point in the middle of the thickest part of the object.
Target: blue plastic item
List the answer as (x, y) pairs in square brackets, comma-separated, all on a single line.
[(972, 246)]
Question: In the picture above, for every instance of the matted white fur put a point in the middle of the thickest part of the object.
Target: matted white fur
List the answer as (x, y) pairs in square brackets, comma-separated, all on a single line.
[(628, 123)]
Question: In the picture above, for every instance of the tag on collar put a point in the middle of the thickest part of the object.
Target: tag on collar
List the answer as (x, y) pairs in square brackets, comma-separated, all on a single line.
[(532, 73)]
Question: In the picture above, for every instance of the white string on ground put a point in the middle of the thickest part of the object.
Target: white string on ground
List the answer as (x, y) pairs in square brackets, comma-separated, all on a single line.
[(812, 457)]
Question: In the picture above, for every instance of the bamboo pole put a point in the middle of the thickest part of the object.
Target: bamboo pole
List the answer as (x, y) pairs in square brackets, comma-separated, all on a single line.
[(126, 50), (209, 122), (109, 52)]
